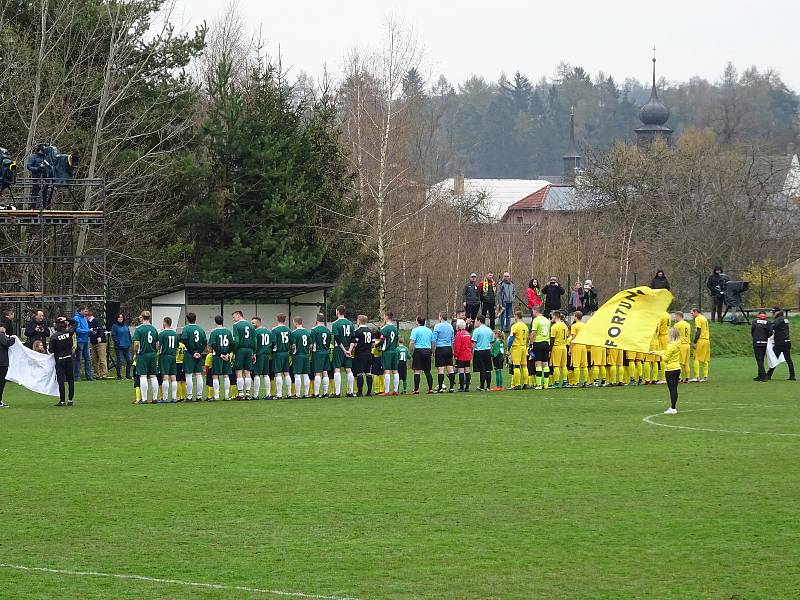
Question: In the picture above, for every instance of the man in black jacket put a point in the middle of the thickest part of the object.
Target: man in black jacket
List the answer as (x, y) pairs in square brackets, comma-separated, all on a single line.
[(716, 289), (783, 341), (61, 348), (99, 340), (6, 340), (36, 330), (551, 293), (488, 292), (760, 331), (472, 298)]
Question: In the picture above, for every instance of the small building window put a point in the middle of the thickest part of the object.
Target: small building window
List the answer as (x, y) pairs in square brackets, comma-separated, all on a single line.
[(519, 219)]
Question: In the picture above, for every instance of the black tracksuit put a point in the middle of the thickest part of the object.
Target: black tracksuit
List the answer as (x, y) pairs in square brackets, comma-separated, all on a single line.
[(714, 283), (783, 343), (472, 300), (551, 294), (760, 331), (60, 347), (5, 342)]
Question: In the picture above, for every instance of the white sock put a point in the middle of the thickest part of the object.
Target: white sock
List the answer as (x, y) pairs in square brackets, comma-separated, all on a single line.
[(256, 386), (279, 386), (200, 386), (165, 389), (386, 383), (267, 386), (227, 386), (306, 385), (154, 386), (189, 386), (297, 391), (143, 388), (317, 384), (326, 383), (287, 384), (216, 389), (240, 385), (248, 385), (396, 377), (337, 383), (351, 380), (174, 390)]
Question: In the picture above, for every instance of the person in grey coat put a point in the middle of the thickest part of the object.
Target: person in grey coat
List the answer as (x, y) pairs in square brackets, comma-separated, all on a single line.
[(5, 342), (505, 301)]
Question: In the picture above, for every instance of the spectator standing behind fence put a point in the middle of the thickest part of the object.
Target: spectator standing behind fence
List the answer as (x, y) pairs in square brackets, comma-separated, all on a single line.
[(82, 340), (505, 301), (6, 340), (716, 289), (472, 298), (488, 291), (660, 281), (121, 335), (7, 321), (589, 301), (575, 301), (552, 293), (98, 337), (534, 295), (36, 330)]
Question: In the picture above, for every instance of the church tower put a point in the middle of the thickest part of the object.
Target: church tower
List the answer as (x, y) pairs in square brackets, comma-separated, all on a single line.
[(654, 116), (571, 160)]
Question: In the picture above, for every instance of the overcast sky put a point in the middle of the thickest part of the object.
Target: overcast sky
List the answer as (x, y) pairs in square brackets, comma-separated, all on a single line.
[(486, 38)]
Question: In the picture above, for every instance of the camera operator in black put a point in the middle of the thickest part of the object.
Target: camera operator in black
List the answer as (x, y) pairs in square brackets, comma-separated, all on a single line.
[(760, 331), (37, 167), (716, 289), (61, 348), (783, 341), (362, 340)]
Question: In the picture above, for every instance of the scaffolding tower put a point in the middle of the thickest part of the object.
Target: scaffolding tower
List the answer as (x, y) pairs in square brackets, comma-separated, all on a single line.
[(42, 221)]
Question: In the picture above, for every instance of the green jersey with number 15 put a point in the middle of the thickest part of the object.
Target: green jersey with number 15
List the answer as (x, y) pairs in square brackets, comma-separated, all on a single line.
[(282, 337)]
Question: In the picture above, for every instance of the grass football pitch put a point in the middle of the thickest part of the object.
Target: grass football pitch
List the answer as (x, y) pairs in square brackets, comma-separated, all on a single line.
[(556, 494)]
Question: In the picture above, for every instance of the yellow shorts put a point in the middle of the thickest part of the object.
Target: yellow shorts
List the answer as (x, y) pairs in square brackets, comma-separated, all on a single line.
[(615, 357), (684, 358), (579, 360), (703, 350), (652, 358), (598, 354), (558, 356), (630, 355), (518, 355)]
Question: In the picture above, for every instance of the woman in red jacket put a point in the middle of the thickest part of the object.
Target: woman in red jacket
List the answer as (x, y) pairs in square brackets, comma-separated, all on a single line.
[(462, 352), (534, 295)]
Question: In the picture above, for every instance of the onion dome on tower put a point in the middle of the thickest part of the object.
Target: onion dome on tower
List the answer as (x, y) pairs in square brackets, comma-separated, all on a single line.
[(654, 116)]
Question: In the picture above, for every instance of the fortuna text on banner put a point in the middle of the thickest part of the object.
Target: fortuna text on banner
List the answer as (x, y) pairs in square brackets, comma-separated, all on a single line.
[(627, 321)]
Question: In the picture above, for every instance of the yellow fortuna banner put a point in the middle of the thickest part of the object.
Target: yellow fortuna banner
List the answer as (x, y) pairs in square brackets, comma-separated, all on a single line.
[(627, 321)]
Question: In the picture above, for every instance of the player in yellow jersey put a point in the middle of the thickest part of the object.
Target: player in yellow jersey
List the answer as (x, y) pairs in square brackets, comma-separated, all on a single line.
[(701, 345), (518, 352), (580, 365), (598, 358), (635, 367), (664, 325), (181, 374), (651, 360), (685, 339), (559, 334), (615, 366)]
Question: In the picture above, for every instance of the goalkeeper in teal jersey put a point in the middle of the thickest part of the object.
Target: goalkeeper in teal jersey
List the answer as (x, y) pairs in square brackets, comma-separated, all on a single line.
[(244, 336)]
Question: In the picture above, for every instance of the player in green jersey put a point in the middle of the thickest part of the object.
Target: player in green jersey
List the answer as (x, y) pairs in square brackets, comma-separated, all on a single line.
[(280, 356), (145, 339), (220, 340), (301, 349), (167, 347), (321, 359), (244, 336), (390, 358), (264, 343), (342, 330), (194, 338)]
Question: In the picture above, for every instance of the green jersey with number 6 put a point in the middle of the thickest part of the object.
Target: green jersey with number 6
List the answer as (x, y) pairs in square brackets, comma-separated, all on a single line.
[(283, 338), (245, 334), (221, 340), (168, 342), (146, 335), (301, 338), (390, 336)]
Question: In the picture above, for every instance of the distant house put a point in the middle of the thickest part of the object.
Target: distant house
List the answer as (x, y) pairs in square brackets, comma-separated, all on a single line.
[(550, 199), (498, 194)]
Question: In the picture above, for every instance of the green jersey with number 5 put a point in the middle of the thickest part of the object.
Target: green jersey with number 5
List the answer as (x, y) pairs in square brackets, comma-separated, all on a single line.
[(147, 336), (245, 334), (301, 338)]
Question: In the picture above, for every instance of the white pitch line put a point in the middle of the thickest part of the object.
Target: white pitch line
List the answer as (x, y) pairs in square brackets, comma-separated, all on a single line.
[(649, 420), (212, 586)]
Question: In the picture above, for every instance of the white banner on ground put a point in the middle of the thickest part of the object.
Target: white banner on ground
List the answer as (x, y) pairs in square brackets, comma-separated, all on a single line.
[(772, 360), (34, 370)]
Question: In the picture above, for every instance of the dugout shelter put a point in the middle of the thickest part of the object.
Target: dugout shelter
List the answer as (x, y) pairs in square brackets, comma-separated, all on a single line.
[(264, 300)]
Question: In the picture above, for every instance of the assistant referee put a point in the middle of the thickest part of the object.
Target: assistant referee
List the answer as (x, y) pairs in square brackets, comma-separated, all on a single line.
[(420, 344)]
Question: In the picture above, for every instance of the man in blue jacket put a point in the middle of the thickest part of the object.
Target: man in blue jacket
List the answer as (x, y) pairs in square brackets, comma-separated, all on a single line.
[(82, 352)]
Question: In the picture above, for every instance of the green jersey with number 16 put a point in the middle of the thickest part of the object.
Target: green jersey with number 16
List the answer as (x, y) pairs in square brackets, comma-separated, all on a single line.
[(221, 340)]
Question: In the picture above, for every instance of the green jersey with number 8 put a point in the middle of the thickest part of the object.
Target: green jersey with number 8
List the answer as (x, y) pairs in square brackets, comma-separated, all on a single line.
[(301, 338)]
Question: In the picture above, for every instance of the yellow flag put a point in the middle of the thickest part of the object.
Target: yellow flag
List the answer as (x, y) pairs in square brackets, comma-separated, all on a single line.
[(627, 321)]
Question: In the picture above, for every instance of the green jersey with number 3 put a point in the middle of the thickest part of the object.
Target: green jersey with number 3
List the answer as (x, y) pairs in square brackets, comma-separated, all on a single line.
[(301, 339), (194, 338), (168, 342), (147, 336), (283, 338)]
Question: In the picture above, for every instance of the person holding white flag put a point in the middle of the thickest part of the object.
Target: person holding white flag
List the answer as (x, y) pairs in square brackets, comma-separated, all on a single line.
[(5, 342)]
